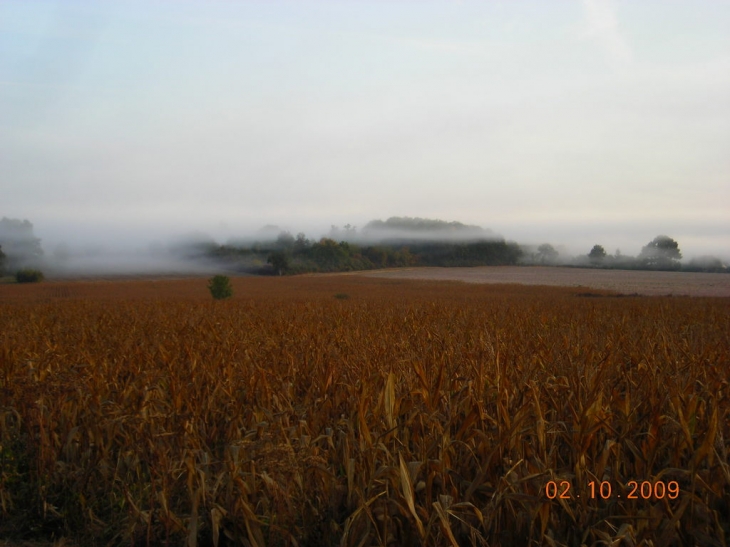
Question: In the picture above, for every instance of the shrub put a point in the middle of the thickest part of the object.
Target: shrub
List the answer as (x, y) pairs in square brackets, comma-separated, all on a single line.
[(29, 276), (220, 287)]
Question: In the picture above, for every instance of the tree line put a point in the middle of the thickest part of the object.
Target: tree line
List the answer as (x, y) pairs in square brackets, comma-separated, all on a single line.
[(288, 254), (396, 242), (661, 253), (292, 255)]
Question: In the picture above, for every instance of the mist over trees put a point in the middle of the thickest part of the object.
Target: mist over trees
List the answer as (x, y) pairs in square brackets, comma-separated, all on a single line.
[(661, 253), (546, 254), (706, 263), (20, 247), (415, 228), (396, 242), (429, 242), (597, 254)]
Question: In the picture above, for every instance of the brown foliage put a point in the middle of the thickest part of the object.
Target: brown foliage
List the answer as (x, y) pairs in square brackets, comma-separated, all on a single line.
[(410, 413)]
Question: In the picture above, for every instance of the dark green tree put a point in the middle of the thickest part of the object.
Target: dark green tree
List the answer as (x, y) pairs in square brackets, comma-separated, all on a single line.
[(597, 254), (220, 287), (279, 261), (662, 252), (329, 254), (2, 261), (301, 242)]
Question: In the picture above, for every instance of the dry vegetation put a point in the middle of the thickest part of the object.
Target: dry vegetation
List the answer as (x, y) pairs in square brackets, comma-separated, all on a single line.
[(407, 413)]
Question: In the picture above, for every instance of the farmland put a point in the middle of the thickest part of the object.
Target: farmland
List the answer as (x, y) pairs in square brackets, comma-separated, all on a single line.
[(352, 410), (623, 281)]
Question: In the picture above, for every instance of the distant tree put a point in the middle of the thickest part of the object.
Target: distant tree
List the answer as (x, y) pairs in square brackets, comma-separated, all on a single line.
[(597, 254), (419, 224), (19, 243), (285, 240), (335, 233), (707, 263), (220, 287), (350, 232), (546, 253), (661, 252), (347, 233), (301, 242), (2, 261), (377, 255), (279, 261), (329, 254), (420, 228)]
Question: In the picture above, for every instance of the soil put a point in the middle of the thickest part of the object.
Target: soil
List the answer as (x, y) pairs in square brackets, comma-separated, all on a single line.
[(621, 281)]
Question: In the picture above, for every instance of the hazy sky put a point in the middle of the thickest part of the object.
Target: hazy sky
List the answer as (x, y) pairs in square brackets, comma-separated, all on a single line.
[(568, 121)]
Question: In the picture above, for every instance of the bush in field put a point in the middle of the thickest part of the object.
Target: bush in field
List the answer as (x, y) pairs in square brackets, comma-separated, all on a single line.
[(29, 276), (220, 287)]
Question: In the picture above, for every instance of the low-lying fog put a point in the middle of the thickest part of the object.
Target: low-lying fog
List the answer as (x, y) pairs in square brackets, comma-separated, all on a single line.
[(104, 250), (107, 262)]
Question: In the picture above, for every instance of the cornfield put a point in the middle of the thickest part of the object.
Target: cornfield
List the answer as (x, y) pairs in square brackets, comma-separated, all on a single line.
[(404, 413)]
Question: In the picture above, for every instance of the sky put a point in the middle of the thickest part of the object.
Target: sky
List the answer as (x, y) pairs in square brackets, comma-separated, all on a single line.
[(573, 122)]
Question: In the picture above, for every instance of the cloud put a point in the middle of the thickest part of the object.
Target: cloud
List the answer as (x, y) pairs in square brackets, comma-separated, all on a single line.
[(602, 26)]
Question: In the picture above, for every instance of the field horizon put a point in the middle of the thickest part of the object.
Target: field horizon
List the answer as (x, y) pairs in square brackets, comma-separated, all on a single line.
[(626, 282)]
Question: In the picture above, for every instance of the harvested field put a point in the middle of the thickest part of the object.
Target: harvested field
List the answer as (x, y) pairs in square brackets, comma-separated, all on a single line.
[(622, 281), (304, 287), (351, 410)]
